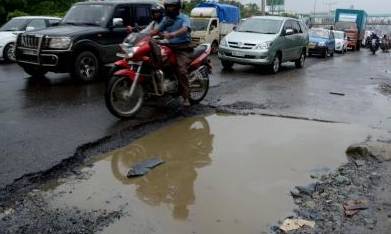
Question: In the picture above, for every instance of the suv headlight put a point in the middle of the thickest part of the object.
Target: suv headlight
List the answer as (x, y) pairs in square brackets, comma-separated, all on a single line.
[(60, 43), (263, 45)]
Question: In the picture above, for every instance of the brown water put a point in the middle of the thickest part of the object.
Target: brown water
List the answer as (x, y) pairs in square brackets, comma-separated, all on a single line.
[(223, 174)]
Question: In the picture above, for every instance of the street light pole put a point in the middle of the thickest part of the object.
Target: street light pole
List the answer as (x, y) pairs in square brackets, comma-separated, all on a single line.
[(263, 7)]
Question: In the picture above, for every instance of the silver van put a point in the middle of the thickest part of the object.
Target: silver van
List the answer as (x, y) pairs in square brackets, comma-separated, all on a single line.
[(265, 40)]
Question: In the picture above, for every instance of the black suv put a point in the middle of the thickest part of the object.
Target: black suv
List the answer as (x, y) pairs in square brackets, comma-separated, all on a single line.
[(84, 41)]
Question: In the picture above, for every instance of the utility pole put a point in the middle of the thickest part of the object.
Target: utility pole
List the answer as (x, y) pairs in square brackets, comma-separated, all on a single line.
[(263, 7)]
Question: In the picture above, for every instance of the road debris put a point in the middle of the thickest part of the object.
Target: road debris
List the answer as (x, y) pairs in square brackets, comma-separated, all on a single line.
[(364, 151), (144, 167), (294, 224), (352, 207), (339, 94)]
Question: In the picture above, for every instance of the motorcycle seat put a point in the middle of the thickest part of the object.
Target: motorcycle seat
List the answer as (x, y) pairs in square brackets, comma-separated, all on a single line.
[(198, 51)]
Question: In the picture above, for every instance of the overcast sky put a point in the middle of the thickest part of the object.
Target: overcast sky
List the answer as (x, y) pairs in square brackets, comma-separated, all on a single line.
[(306, 6)]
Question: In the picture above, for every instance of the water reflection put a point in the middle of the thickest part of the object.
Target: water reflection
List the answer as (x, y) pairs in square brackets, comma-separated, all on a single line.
[(173, 182)]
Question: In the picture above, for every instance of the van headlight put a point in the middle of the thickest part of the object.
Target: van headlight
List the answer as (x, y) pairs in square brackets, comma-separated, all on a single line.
[(263, 45), (60, 43), (322, 43)]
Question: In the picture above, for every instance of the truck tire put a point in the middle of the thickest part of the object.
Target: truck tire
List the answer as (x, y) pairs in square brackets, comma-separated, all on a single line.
[(86, 67), (34, 71), (9, 53), (215, 47), (227, 65)]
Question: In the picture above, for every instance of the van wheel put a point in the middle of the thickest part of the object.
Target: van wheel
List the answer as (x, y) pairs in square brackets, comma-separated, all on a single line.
[(86, 67), (276, 65), (300, 62), (227, 65)]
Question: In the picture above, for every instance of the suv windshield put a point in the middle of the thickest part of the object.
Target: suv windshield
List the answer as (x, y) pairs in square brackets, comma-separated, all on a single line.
[(14, 25), (88, 15), (264, 26), (199, 24), (319, 33)]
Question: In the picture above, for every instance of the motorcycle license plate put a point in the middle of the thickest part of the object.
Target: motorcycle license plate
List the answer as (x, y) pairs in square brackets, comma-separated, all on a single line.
[(238, 54)]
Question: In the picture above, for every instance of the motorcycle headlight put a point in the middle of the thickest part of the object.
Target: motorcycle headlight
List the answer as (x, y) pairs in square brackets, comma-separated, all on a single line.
[(60, 43), (263, 45), (128, 50)]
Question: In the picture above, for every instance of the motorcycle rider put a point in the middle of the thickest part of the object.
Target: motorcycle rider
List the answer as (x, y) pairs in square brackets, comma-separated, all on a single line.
[(175, 27), (157, 14)]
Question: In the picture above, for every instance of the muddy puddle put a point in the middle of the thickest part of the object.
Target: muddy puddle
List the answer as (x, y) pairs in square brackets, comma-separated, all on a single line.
[(222, 174)]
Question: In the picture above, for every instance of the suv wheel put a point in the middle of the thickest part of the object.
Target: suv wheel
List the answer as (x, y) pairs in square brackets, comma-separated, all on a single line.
[(86, 67), (227, 65), (276, 65), (9, 53), (34, 71), (300, 62)]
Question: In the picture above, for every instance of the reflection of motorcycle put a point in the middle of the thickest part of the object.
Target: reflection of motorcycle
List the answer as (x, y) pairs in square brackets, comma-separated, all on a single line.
[(184, 147), (147, 70), (374, 46), (384, 45)]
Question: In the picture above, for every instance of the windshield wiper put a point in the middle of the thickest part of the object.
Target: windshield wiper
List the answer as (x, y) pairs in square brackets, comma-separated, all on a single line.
[(70, 23)]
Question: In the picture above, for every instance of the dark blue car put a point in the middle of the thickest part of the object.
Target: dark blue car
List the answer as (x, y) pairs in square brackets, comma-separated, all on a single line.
[(322, 42)]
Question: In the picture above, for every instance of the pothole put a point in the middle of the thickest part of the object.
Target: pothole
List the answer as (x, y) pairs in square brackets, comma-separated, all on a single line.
[(222, 174)]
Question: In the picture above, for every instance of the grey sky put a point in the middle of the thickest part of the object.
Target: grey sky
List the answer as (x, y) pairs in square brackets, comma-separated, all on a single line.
[(305, 6)]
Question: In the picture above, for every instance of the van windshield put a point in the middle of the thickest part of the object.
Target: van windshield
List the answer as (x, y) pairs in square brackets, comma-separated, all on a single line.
[(263, 26), (199, 24), (94, 15)]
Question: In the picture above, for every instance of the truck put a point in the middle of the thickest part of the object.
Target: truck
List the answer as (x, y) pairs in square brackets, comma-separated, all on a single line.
[(353, 23), (211, 21)]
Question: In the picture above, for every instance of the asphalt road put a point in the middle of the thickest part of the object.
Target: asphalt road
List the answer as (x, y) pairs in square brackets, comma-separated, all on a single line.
[(43, 121)]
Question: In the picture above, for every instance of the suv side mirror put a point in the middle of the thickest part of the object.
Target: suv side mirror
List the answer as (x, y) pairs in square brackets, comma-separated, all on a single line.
[(288, 32), (118, 22)]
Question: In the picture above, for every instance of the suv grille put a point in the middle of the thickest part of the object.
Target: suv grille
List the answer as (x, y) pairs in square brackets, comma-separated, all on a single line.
[(29, 41)]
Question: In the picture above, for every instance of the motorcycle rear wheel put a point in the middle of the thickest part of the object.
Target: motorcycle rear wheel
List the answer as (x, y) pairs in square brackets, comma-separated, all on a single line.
[(119, 103)]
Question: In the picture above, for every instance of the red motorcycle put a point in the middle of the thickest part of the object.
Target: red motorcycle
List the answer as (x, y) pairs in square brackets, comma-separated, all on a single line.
[(147, 70)]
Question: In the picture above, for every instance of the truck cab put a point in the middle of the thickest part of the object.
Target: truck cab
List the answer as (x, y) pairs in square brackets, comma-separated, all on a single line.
[(85, 40), (210, 22)]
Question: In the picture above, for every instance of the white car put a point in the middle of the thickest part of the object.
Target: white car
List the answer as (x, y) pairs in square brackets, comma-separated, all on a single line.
[(341, 42), (10, 31)]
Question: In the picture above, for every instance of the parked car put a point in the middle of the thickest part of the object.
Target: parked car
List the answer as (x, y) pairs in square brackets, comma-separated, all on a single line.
[(265, 40), (85, 41), (10, 30), (322, 42), (341, 41)]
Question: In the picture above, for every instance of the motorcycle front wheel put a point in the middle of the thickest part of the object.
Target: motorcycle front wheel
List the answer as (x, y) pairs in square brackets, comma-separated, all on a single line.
[(199, 87), (118, 99)]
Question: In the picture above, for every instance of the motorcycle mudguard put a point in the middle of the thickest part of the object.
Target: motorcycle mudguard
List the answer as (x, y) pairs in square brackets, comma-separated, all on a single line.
[(121, 63), (126, 72)]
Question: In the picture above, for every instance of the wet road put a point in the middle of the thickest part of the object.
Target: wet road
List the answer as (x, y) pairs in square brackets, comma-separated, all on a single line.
[(43, 121)]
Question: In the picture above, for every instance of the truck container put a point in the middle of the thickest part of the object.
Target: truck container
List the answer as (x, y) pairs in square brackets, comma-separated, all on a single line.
[(353, 22)]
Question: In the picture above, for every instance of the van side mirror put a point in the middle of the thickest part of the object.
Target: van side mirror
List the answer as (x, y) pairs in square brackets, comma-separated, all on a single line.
[(118, 22), (288, 32)]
